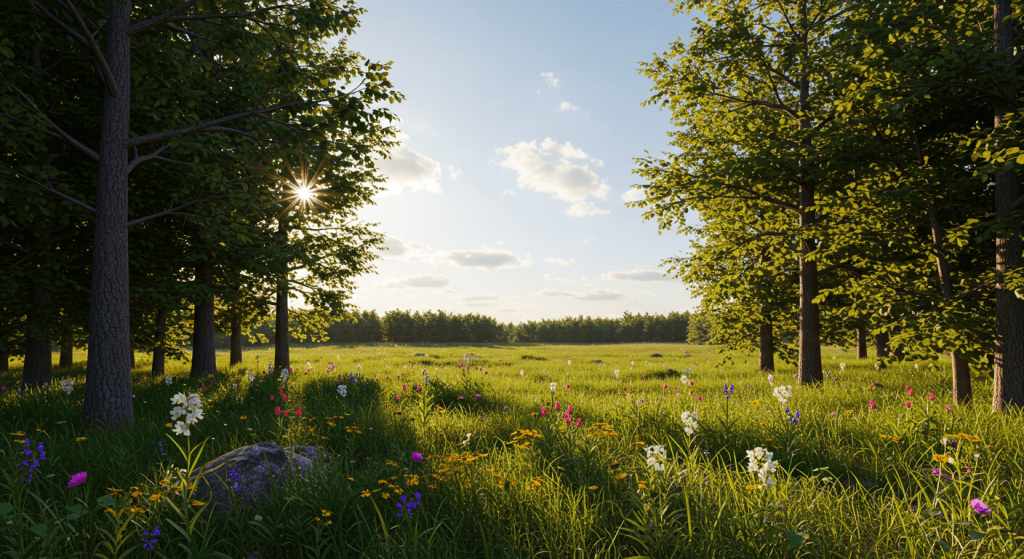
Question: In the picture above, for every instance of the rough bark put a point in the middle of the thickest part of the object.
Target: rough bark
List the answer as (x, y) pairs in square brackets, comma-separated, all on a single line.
[(1008, 381), (108, 386), (67, 349), (5, 358), (810, 321), (881, 348), (961, 370), (38, 369), (862, 342), (236, 342), (766, 357), (159, 349), (204, 329)]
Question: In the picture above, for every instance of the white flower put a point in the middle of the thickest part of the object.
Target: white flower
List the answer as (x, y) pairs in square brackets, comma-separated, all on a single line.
[(631, 363), (359, 368), (521, 372), (179, 399), (193, 400), (783, 393), (182, 429), (771, 379), (177, 412), (553, 386), (689, 420), (342, 390), (876, 365), (570, 362), (616, 373), (67, 385), (168, 380), (250, 376), (769, 482), (842, 366), (684, 379)]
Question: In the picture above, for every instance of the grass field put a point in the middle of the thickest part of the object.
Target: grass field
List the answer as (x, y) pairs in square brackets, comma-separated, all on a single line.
[(892, 469)]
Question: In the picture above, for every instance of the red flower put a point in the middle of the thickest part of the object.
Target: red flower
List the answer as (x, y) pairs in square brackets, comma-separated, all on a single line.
[(298, 411), (277, 410)]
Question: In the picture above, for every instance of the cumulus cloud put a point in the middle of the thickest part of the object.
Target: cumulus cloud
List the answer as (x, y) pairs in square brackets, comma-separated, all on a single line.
[(454, 172), (508, 192), (635, 275), (551, 79), (597, 162), (425, 281), (563, 179), (488, 259), (633, 195), (409, 170), (397, 248), (592, 295), (584, 209), (560, 261), (567, 106)]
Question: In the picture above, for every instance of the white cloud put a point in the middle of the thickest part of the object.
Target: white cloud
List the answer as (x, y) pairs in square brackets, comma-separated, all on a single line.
[(560, 261), (584, 209), (550, 77), (633, 195), (454, 172), (426, 281), (397, 248), (488, 259), (509, 192), (409, 170), (592, 295), (563, 179), (597, 162), (567, 106), (636, 275), (553, 277)]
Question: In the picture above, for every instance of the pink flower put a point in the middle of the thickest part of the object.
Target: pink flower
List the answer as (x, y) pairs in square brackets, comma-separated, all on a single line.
[(949, 408), (403, 387), (77, 479), (931, 396), (666, 386), (980, 507), (567, 385), (698, 398), (908, 404), (284, 396), (286, 414), (691, 393), (568, 409), (277, 410), (298, 411), (417, 457), (579, 422), (691, 383), (543, 411), (556, 405), (271, 396), (871, 403), (911, 392), (623, 388), (677, 391)]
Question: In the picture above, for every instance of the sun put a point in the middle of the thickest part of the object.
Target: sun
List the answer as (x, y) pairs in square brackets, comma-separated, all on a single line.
[(302, 190)]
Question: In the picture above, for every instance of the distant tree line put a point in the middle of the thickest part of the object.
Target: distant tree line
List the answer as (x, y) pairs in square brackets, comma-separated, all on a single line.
[(440, 327)]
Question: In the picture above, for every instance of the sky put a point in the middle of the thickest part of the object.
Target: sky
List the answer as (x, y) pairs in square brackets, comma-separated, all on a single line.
[(519, 129)]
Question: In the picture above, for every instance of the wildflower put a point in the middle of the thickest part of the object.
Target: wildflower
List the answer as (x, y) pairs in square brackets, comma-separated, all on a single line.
[(771, 379), (77, 479), (980, 507), (871, 403), (67, 385), (148, 544), (616, 373), (783, 393), (698, 398), (949, 408), (477, 395), (656, 457), (342, 390), (842, 367), (689, 420), (543, 411), (277, 410), (931, 396), (908, 405), (168, 380), (408, 505), (553, 386), (417, 457), (579, 422), (556, 405), (521, 372), (759, 461)]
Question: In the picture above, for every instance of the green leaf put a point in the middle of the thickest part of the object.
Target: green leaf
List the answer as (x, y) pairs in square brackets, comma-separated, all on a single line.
[(796, 539), (976, 535), (6, 508), (105, 501)]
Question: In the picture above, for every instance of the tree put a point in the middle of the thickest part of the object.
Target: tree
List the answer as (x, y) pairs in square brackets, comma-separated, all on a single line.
[(263, 46)]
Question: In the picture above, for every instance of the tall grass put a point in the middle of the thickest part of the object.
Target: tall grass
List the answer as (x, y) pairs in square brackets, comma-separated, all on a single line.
[(499, 479)]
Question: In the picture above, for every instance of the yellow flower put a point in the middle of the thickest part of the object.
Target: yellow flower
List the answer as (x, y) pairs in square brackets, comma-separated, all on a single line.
[(80, 439), (169, 425), (621, 476), (137, 510), (18, 434), (154, 498), (592, 487), (365, 493), (943, 458), (325, 512), (244, 417), (115, 491), (752, 486), (350, 479), (197, 503), (386, 495)]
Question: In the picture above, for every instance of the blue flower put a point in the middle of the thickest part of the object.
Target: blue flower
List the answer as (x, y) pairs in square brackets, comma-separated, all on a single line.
[(148, 544)]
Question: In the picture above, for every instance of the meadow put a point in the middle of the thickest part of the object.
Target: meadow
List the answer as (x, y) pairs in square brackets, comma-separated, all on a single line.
[(526, 451)]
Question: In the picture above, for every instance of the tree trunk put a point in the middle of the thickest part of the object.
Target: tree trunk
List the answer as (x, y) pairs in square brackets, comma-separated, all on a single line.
[(809, 343), (5, 357), (236, 342), (108, 386), (862, 342), (204, 353), (159, 349), (1008, 387), (67, 349), (131, 350), (766, 358), (38, 369), (881, 348), (281, 358), (961, 370)]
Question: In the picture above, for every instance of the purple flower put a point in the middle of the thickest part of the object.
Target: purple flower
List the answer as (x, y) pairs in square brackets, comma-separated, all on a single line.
[(980, 507), (148, 544), (477, 395), (417, 457), (77, 479)]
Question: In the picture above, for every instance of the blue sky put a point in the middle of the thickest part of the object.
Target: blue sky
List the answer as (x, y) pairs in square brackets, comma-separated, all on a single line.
[(519, 129)]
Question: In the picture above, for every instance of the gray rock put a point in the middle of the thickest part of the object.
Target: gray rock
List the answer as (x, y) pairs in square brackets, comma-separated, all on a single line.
[(656, 355), (420, 355), (595, 360), (253, 471)]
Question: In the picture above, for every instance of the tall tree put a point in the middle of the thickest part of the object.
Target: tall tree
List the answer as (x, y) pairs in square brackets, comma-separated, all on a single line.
[(274, 50)]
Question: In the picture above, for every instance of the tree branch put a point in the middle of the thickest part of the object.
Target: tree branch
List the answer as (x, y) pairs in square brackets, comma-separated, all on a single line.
[(58, 134), (162, 18), (171, 210), (142, 159), (246, 134), (46, 13), (108, 76), (159, 136), (49, 188)]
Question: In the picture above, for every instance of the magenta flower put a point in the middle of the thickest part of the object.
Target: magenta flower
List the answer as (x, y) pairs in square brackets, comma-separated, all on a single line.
[(77, 479), (543, 411), (698, 398), (871, 403), (417, 457), (477, 395), (980, 507), (949, 408), (556, 405), (908, 405), (931, 396)]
